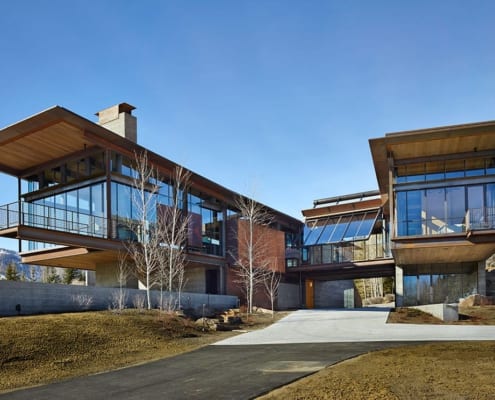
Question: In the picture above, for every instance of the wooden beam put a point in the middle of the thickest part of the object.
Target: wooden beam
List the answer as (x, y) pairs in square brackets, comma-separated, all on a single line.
[(50, 254), (67, 239)]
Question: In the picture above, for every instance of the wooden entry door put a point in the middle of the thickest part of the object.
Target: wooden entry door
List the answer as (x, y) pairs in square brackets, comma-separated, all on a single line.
[(310, 293)]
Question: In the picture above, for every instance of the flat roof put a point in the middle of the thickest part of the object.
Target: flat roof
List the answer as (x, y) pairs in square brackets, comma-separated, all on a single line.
[(440, 141)]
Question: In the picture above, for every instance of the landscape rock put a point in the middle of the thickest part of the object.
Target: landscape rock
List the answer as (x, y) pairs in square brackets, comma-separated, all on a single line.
[(207, 324), (477, 300)]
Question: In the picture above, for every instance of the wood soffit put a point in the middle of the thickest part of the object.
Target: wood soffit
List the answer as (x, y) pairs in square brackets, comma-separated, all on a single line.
[(345, 208), (434, 142)]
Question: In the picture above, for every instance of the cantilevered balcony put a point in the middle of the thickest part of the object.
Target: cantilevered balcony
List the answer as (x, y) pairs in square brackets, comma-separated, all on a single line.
[(15, 215), (474, 219), (439, 240)]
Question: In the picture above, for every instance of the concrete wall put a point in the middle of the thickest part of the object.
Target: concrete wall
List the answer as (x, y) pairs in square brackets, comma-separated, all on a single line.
[(482, 278), (107, 276), (444, 312), (195, 279), (490, 283), (39, 298), (330, 294), (399, 286), (288, 296)]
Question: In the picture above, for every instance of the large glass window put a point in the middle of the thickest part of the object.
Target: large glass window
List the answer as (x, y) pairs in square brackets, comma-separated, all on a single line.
[(206, 225), (343, 238), (313, 230), (327, 235), (439, 283), (456, 209), (445, 210), (346, 228), (89, 165), (410, 212), (476, 206), (80, 211), (435, 211), (444, 169)]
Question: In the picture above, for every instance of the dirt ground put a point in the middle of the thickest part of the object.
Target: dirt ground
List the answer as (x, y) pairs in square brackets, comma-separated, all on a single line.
[(48, 348), (448, 371)]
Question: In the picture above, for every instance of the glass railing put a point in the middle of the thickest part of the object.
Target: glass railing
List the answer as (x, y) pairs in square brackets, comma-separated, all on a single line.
[(474, 219), (480, 218), (344, 253), (51, 218)]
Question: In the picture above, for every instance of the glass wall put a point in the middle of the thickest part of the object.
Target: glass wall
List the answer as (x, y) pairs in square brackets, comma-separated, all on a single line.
[(127, 206), (445, 210), (344, 238), (205, 231), (81, 211), (343, 228), (89, 165), (444, 169), (359, 250), (205, 225), (439, 283)]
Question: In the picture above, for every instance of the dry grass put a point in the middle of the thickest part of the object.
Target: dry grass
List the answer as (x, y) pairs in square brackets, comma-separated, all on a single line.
[(47, 348), (43, 349), (449, 371), (475, 315)]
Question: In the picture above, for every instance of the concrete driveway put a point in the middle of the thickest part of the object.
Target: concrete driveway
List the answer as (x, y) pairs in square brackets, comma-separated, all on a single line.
[(251, 364), (357, 325)]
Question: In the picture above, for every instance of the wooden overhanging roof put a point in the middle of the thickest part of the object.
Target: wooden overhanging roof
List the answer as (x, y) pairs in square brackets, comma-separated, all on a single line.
[(477, 245), (346, 204), (57, 133), (346, 208), (433, 142)]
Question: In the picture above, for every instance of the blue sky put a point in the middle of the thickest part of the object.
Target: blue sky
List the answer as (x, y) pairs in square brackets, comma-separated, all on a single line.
[(279, 96)]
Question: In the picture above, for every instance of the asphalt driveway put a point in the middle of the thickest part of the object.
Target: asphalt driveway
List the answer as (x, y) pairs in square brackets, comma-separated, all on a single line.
[(245, 366), (213, 372)]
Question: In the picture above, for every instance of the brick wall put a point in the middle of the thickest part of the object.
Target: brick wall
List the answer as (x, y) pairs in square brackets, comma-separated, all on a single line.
[(273, 251)]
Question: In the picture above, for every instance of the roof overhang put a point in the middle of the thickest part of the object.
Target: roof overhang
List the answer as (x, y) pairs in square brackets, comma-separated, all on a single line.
[(434, 142), (338, 271), (57, 133), (345, 208), (475, 246), (51, 135)]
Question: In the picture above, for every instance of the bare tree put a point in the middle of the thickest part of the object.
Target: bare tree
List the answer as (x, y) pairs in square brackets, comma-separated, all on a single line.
[(172, 229), (144, 200), (271, 284), (160, 230), (250, 257), (119, 298)]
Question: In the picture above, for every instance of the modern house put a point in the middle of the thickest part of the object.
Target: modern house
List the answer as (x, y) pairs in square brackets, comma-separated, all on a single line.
[(438, 190), (430, 225), (75, 199)]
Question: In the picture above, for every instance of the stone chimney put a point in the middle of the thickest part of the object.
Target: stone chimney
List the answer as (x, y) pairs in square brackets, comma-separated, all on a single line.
[(119, 119)]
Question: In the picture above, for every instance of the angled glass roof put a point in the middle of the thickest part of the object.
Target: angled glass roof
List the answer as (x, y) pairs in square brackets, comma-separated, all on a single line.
[(337, 229)]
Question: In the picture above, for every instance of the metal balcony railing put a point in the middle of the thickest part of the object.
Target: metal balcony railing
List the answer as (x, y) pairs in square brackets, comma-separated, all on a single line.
[(51, 218)]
